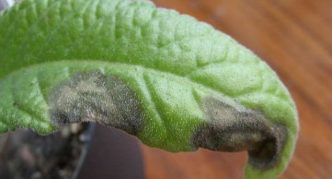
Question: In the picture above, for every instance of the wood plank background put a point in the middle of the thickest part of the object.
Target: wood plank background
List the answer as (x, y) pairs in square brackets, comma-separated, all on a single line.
[(294, 37)]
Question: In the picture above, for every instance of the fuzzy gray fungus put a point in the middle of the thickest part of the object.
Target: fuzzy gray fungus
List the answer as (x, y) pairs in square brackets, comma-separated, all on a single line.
[(232, 130), (95, 97)]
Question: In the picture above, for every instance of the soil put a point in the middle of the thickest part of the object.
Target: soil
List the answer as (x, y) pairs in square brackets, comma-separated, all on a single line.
[(25, 154)]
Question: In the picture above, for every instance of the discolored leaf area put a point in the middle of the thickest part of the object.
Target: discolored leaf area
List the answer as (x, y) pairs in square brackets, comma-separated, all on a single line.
[(175, 83)]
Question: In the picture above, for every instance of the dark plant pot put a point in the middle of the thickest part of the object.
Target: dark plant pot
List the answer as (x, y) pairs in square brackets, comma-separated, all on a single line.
[(103, 153), (112, 154)]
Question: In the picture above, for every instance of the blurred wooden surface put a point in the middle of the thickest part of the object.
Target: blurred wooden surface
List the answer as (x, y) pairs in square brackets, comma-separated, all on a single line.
[(295, 38)]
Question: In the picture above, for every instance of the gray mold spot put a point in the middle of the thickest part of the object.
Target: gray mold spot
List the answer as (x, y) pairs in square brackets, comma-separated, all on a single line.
[(95, 97), (231, 129)]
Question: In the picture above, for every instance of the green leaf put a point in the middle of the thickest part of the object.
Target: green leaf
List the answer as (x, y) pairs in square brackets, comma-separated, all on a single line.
[(175, 83)]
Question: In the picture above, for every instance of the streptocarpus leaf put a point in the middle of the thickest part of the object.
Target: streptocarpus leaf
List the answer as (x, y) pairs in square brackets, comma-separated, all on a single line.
[(175, 83)]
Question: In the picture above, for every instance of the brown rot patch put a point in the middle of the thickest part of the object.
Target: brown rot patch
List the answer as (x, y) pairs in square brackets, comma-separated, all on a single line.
[(96, 97), (230, 129)]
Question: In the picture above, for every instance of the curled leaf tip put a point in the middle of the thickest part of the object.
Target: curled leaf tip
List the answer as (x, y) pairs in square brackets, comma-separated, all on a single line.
[(232, 130)]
